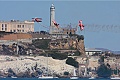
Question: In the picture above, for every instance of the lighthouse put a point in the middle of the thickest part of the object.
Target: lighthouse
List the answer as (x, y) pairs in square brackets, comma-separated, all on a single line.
[(52, 18)]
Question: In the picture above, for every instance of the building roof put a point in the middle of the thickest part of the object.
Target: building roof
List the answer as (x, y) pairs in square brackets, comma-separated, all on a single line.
[(93, 50), (17, 21)]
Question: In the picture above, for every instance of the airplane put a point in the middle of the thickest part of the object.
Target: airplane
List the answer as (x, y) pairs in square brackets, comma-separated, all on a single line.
[(81, 25), (37, 19), (56, 24)]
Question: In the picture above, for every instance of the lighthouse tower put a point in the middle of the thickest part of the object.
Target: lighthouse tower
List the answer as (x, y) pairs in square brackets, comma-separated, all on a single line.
[(52, 18)]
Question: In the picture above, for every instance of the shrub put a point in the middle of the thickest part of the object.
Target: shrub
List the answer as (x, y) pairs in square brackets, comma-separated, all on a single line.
[(80, 37), (77, 53), (59, 56), (66, 73), (41, 43), (72, 62), (104, 71)]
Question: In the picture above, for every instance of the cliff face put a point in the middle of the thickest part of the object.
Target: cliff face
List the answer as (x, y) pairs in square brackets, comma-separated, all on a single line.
[(68, 44), (23, 64), (81, 47), (62, 44)]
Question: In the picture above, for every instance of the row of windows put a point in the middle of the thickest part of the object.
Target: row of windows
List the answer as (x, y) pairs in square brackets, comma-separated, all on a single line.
[(4, 25), (4, 29), (20, 30), (20, 26), (23, 26), (17, 31)]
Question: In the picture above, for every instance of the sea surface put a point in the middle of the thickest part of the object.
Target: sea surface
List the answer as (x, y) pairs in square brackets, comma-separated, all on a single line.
[(50, 79)]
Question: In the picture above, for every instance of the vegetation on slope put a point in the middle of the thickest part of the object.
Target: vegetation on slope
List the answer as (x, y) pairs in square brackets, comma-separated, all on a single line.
[(104, 71), (72, 62), (59, 56), (41, 43), (80, 37)]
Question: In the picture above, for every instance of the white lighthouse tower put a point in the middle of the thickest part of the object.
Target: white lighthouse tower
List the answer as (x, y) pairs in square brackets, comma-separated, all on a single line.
[(52, 18)]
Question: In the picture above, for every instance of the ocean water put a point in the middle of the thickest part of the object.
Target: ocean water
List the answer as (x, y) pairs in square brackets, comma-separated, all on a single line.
[(50, 79)]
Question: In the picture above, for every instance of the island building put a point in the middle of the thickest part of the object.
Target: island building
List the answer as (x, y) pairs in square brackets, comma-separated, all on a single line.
[(17, 26), (92, 51)]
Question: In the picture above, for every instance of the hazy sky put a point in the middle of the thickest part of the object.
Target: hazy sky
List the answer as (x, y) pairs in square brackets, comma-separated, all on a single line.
[(90, 12)]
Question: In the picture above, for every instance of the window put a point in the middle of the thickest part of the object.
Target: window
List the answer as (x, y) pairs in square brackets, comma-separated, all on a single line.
[(22, 30), (2, 29), (14, 30), (22, 26), (2, 25), (67, 32), (5, 29), (18, 26), (5, 25)]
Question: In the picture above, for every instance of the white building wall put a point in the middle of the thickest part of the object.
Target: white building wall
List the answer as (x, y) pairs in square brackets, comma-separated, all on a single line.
[(17, 26)]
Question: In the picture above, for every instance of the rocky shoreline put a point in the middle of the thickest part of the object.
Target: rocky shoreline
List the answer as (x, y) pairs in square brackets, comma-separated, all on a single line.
[(30, 66)]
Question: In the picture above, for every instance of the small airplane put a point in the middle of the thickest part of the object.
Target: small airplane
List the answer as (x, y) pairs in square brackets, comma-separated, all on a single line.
[(37, 19), (81, 25), (56, 24)]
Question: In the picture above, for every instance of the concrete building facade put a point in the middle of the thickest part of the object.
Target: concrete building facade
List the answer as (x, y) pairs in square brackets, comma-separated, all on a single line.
[(17, 26)]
